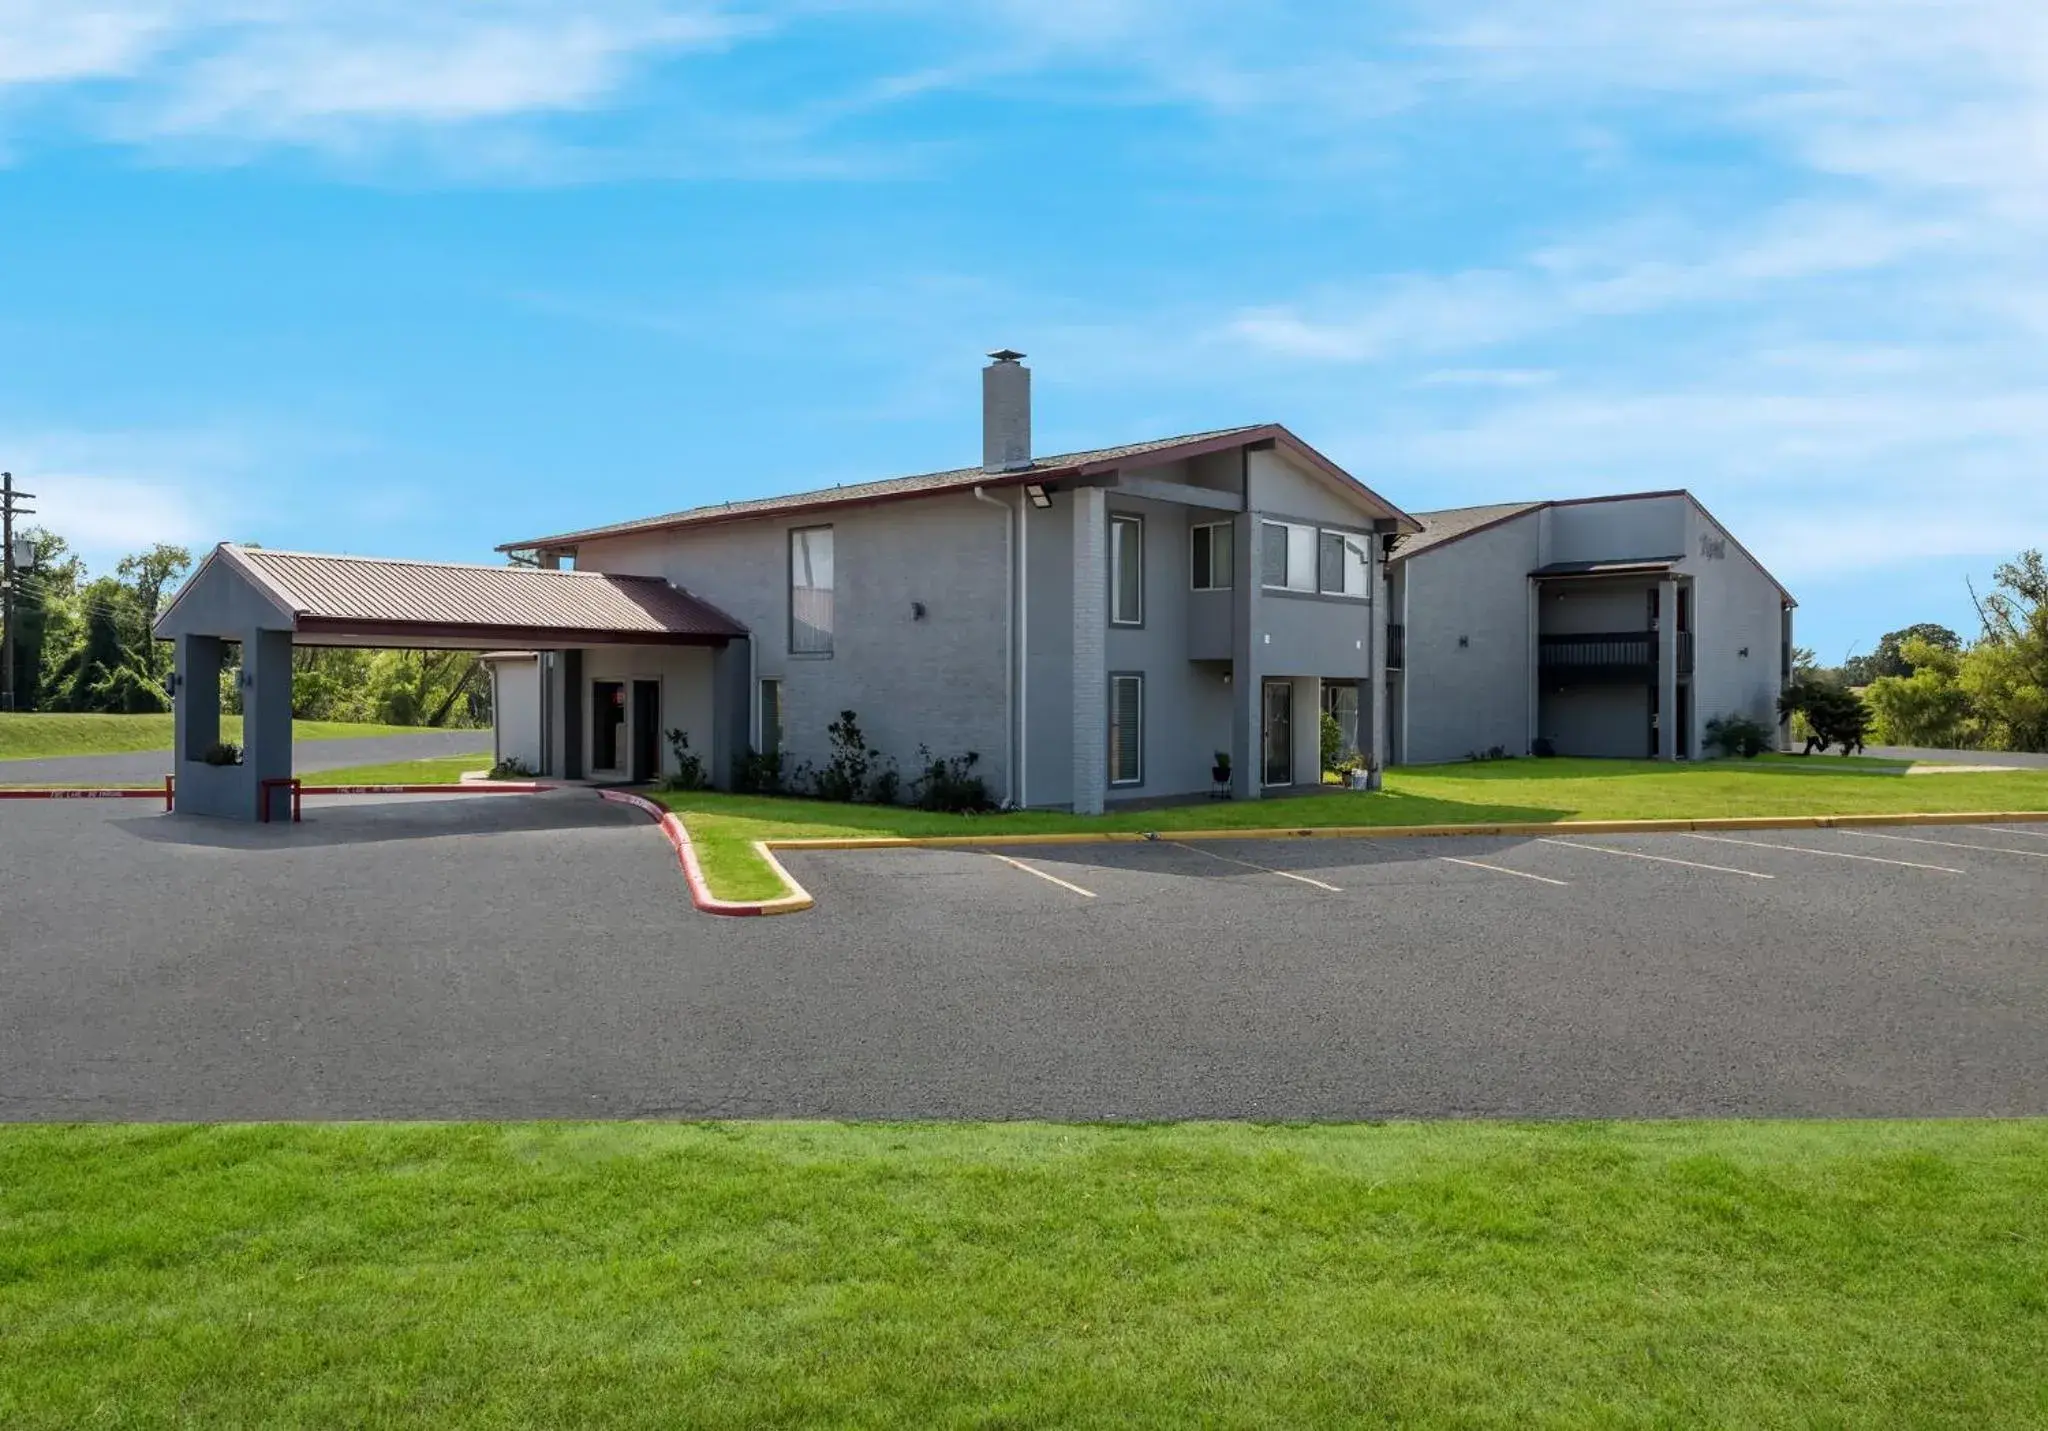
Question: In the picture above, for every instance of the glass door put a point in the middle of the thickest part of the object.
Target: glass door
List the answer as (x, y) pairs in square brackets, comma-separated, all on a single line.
[(1278, 733)]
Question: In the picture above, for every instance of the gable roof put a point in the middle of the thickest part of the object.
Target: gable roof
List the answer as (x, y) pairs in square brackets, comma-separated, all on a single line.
[(1045, 469), (1455, 523), (338, 597)]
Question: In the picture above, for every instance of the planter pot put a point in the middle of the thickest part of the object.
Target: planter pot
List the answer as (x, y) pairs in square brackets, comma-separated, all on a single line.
[(1364, 780), (1220, 774)]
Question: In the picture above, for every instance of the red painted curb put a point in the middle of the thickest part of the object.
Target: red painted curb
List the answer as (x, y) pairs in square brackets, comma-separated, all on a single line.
[(693, 873), (113, 794)]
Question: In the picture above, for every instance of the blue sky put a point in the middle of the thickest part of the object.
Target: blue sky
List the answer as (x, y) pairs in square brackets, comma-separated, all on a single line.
[(415, 278)]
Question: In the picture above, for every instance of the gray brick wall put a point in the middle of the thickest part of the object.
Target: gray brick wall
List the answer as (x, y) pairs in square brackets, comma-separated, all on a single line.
[(1090, 643)]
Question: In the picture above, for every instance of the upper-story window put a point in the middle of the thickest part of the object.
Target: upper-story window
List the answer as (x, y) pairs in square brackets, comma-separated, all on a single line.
[(1287, 556), (1296, 557), (1212, 546), (1126, 570), (1346, 564), (810, 591)]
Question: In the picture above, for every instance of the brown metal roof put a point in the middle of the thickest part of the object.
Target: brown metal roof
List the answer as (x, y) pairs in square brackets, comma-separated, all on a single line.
[(337, 596), (1045, 469)]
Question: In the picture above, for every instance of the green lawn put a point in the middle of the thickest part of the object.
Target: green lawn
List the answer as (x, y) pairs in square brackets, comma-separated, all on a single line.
[(724, 827), (27, 736), (760, 1275), (445, 771)]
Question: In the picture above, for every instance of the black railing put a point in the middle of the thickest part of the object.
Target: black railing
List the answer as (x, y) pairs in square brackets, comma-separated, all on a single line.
[(1600, 656), (1397, 646)]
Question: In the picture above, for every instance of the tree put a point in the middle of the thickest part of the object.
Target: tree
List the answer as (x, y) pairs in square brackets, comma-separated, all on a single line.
[(46, 626), (103, 672), (2005, 675), (1889, 659), (147, 574), (1929, 706)]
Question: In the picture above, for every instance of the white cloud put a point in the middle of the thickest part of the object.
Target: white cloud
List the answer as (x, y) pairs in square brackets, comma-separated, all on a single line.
[(343, 73)]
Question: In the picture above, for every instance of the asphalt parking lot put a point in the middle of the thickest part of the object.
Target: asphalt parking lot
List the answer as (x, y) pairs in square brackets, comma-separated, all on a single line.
[(536, 957)]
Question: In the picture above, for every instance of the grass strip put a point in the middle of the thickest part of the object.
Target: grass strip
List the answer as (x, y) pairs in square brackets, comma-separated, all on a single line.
[(724, 827)]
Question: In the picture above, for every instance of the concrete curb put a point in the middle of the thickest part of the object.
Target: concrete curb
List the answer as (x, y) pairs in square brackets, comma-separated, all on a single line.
[(796, 900), (799, 899)]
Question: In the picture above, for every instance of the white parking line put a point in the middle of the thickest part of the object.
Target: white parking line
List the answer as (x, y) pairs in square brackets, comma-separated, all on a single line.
[(1049, 879), (1660, 859), (1502, 869), (1996, 830), (1825, 854), (1263, 869), (1951, 844)]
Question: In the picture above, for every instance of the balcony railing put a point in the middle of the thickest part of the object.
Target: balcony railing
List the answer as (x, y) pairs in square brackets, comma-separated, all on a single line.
[(1600, 656), (1609, 656), (1397, 646)]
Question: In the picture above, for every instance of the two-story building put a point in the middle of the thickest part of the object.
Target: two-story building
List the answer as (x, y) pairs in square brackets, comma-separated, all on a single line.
[(1096, 626), (1602, 626)]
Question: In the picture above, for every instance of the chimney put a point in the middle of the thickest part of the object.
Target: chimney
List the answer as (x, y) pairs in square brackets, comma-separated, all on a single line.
[(1005, 413)]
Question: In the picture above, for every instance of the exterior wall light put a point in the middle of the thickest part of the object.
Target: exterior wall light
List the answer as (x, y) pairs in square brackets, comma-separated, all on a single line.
[(1040, 498)]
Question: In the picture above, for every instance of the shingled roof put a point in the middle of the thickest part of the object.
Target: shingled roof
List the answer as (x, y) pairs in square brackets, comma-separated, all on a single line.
[(1045, 469), (1455, 522), (389, 601)]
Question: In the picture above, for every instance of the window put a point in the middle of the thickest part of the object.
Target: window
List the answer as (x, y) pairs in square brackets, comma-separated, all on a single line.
[(1287, 556), (810, 591), (771, 717), (1214, 554), (1126, 571), (1126, 730), (1346, 564)]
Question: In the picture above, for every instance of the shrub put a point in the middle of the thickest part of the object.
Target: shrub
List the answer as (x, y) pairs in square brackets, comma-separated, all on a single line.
[(512, 768), (1835, 714), (1734, 735), (689, 771), (887, 786), (756, 774), (949, 786), (1332, 736), (845, 776), (223, 752)]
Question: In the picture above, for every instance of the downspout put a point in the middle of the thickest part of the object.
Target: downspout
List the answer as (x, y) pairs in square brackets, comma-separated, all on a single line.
[(1023, 650), (1009, 647)]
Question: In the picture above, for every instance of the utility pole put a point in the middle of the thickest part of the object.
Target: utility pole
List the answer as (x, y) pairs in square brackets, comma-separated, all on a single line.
[(9, 510)]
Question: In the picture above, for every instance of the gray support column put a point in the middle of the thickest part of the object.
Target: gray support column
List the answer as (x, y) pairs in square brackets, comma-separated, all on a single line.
[(1374, 742), (267, 717), (1091, 634), (1246, 668), (732, 705), (1533, 686), (195, 707), (1667, 669), (572, 715)]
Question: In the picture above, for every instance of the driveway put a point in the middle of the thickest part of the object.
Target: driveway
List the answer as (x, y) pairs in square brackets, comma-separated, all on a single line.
[(307, 756), (2017, 760), (536, 956)]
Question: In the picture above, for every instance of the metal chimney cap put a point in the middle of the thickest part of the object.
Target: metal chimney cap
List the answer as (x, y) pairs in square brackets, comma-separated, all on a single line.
[(1006, 355)]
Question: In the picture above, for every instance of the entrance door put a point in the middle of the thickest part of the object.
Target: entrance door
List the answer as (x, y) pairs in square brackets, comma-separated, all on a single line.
[(646, 731), (1340, 703), (1682, 747), (1279, 733), (607, 724)]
